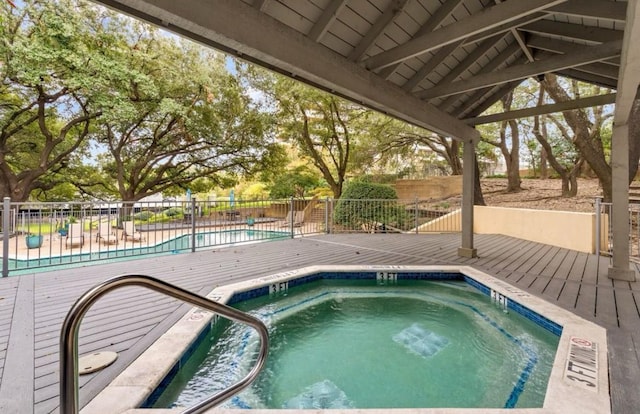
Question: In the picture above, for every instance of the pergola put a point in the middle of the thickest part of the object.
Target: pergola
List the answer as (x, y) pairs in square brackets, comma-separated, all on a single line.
[(437, 64)]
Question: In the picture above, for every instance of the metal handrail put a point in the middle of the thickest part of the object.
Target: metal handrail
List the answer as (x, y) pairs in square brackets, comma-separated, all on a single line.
[(71, 325)]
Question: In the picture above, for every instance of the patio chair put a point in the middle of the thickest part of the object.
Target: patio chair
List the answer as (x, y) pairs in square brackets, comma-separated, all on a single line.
[(106, 234), (298, 219), (75, 235), (130, 232)]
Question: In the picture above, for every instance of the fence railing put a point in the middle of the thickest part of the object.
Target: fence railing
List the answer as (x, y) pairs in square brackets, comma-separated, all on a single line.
[(38, 235), (604, 228)]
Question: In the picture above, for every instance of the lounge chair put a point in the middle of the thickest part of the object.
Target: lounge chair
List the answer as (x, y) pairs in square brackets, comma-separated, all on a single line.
[(106, 234), (75, 235), (298, 219), (130, 232)]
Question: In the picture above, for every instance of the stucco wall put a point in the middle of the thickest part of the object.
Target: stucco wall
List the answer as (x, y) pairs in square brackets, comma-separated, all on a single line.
[(565, 229)]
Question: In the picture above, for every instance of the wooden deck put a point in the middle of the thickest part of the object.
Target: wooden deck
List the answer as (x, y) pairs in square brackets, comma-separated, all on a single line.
[(32, 307)]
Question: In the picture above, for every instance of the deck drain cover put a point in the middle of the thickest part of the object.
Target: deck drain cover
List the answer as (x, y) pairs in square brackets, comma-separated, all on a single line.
[(94, 362)]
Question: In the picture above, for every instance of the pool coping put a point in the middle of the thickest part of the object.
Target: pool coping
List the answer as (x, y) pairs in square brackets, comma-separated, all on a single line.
[(569, 389)]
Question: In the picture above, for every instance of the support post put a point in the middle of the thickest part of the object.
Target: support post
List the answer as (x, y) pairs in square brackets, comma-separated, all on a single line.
[(6, 223), (468, 180), (619, 269)]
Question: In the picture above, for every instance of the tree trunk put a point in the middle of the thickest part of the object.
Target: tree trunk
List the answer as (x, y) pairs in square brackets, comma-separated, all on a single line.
[(586, 141), (544, 164), (453, 152)]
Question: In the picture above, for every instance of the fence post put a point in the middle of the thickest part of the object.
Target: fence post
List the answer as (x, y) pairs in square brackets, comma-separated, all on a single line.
[(6, 213), (193, 225), (326, 215), (293, 214), (598, 223), (415, 216)]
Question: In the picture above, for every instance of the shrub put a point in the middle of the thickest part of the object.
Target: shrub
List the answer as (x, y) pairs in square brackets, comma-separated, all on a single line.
[(369, 205), (172, 212), (143, 216)]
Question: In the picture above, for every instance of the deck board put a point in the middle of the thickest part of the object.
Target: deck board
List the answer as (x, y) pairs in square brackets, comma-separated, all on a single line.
[(129, 320)]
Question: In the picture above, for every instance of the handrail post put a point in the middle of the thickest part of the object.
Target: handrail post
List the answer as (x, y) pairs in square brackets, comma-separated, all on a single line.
[(193, 225), (6, 213), (598, 224)]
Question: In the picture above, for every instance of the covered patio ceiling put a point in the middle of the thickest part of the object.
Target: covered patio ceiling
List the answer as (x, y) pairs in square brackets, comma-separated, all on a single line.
[(437, 64), (433, 63)]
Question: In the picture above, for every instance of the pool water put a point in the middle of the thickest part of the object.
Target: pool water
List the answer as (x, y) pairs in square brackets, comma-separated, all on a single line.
[(357, 344), (170, 246)]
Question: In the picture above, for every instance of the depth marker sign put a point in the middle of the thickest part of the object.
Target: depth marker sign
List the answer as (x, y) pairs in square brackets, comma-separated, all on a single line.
[(582, 363)]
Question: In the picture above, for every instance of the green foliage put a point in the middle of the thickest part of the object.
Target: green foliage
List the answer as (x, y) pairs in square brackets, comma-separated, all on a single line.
[(294, 183), (173, 212), (255, 191), (143, 216), (369, 205)]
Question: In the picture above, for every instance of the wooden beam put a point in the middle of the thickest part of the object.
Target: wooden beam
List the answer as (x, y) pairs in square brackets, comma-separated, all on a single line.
[(577, 74), (629, 77), (559, 46), (428, 67), (394, 9), (436, 20), (472, 106), (483, 21), (597, 9), (593, 35), (581, 56), (327, 17), (544, 109), (239, 29), (261, 4), (477, 53), (520, 39)]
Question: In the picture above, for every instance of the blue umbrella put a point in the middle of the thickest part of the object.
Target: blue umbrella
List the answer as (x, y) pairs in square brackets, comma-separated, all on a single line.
[(232, 199)]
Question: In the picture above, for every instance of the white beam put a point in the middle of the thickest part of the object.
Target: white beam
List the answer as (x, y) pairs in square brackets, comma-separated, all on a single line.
[(483, 21), (582, 56), (544, 109), (239, 29)]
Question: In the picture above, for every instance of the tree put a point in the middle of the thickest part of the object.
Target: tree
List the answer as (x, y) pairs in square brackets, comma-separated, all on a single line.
[(59, 67), (562, 156), (296, 182), (321, 126), (187, 118), (400, 138), (586, 130), (509, 146)]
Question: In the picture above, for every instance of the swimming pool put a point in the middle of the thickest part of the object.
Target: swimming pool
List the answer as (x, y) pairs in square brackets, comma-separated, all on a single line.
[(95, 252), (577, 383), (363, 344)]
